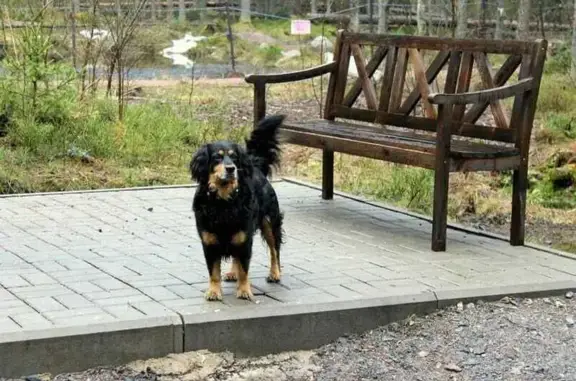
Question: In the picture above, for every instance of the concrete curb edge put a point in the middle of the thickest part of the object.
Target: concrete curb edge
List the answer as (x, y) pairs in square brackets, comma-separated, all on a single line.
[(245, 331)]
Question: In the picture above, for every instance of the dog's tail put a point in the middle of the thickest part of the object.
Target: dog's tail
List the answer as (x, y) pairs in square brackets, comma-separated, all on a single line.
[(263, 145)]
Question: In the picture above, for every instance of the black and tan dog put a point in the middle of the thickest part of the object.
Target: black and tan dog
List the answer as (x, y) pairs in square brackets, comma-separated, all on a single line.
[(233, 200)]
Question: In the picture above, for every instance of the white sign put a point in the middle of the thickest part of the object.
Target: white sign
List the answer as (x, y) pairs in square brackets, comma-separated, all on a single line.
[(300, 27)]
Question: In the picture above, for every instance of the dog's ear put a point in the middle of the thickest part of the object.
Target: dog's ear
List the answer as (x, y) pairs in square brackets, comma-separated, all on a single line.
[(200, 164), (245, 162)]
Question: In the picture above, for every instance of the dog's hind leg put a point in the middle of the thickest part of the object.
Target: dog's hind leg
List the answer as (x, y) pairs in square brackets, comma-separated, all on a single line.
[(272, 233), (232, 275)]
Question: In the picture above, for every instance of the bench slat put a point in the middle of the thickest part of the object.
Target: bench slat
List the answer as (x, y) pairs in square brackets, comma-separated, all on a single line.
[(401, 139), (424, 124)]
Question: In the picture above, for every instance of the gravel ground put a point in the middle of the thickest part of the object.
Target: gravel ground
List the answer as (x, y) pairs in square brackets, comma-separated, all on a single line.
[(513, 339)]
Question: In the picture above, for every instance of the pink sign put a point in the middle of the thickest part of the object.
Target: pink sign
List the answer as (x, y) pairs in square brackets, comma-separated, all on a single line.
[(300, 27)]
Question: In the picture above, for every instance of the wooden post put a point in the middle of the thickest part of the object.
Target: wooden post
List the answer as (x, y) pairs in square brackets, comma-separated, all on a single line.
[(573, 66), (382, 16), (499, 33), (230, 39), (245, 11), (462, 27), (73, 12), (153, 10), (259, 102), (182, 11), (169, 10)]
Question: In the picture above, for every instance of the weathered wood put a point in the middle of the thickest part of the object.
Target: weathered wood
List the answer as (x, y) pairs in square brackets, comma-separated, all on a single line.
[(438, 43), (464, 82), (485, 71), (327, 154), (431, 74), (461, 149), (364, 149), (367, 86), (424, 124), (500, 78), (421, 82), (387, 79), (259, 102), (342, 73), (426, 142), (442, 158), (292, 76), (520, 176), (398, 81), (492, 95), (371, 68)]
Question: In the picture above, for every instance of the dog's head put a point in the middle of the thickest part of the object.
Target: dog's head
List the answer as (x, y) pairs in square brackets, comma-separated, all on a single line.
[(220, 166)]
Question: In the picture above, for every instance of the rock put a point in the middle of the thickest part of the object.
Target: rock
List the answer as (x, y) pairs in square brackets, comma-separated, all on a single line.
[(460, 307), (150, 209), (288, 55), (470, 306), (569, 295), (321, 42), (423, 354), (559, 304), (453, 368), (547, 300), (516, 370), (569, 321)]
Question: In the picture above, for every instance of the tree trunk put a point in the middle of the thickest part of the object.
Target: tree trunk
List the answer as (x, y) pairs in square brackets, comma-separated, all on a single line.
[(383, 16), (499, 33), (245, 13), (462, 27), (313, 7), (420, 21), (573, 68), (354, 15), (523, 30)]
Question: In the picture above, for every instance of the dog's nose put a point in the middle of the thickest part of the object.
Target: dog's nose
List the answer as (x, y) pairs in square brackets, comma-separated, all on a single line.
[(230, 169)]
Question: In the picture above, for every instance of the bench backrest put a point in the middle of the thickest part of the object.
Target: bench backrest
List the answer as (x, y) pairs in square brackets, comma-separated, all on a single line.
[(403, 70)]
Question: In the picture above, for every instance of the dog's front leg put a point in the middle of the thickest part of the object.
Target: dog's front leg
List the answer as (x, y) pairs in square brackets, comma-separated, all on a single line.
[(242, 253), (213, 258)]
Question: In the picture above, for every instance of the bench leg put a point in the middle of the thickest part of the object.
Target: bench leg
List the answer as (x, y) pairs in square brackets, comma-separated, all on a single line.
[(440, 211), (327, 174), (519, 187)]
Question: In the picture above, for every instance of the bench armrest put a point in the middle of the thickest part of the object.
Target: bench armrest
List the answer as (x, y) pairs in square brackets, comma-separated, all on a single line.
[(489, 95), (291, 76)]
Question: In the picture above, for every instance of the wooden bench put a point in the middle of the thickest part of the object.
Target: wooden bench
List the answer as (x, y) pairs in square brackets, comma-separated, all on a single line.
[(439, 130)]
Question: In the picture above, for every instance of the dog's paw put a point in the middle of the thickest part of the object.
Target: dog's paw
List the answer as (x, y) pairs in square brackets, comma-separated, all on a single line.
[(273, 278), (213, 294), (230, 277), (244, 293)]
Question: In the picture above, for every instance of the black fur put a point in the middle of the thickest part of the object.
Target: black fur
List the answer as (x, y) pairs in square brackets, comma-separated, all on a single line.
[(252, 204)]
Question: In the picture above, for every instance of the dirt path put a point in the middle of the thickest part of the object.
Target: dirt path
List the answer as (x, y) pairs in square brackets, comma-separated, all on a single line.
[(509, 340)]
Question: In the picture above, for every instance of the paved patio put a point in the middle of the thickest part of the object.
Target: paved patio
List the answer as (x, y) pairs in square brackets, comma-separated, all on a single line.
[(81, 258)]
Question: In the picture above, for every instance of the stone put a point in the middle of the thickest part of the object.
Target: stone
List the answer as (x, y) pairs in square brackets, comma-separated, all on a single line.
[(453, 368), (460, 307), (569, 321), (321, 42), (569, 295)]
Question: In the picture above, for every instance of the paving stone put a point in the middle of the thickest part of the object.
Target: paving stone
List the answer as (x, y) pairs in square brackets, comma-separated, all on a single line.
[(8, 325), (11, 281), (73, 301), (45, 304), (31, 320), (146, 263)]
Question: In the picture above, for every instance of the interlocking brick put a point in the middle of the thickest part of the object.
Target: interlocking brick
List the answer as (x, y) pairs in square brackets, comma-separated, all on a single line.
[(31, 320), (11, 281), (45, 304), (343, 248), (8, 325), (73, 301)]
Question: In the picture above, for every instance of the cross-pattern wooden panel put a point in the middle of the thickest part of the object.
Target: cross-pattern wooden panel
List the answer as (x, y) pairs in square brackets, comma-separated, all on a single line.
[(409, 74)]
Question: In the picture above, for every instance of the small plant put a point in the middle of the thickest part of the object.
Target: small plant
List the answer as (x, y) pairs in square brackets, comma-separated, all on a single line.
[(557, 128)]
